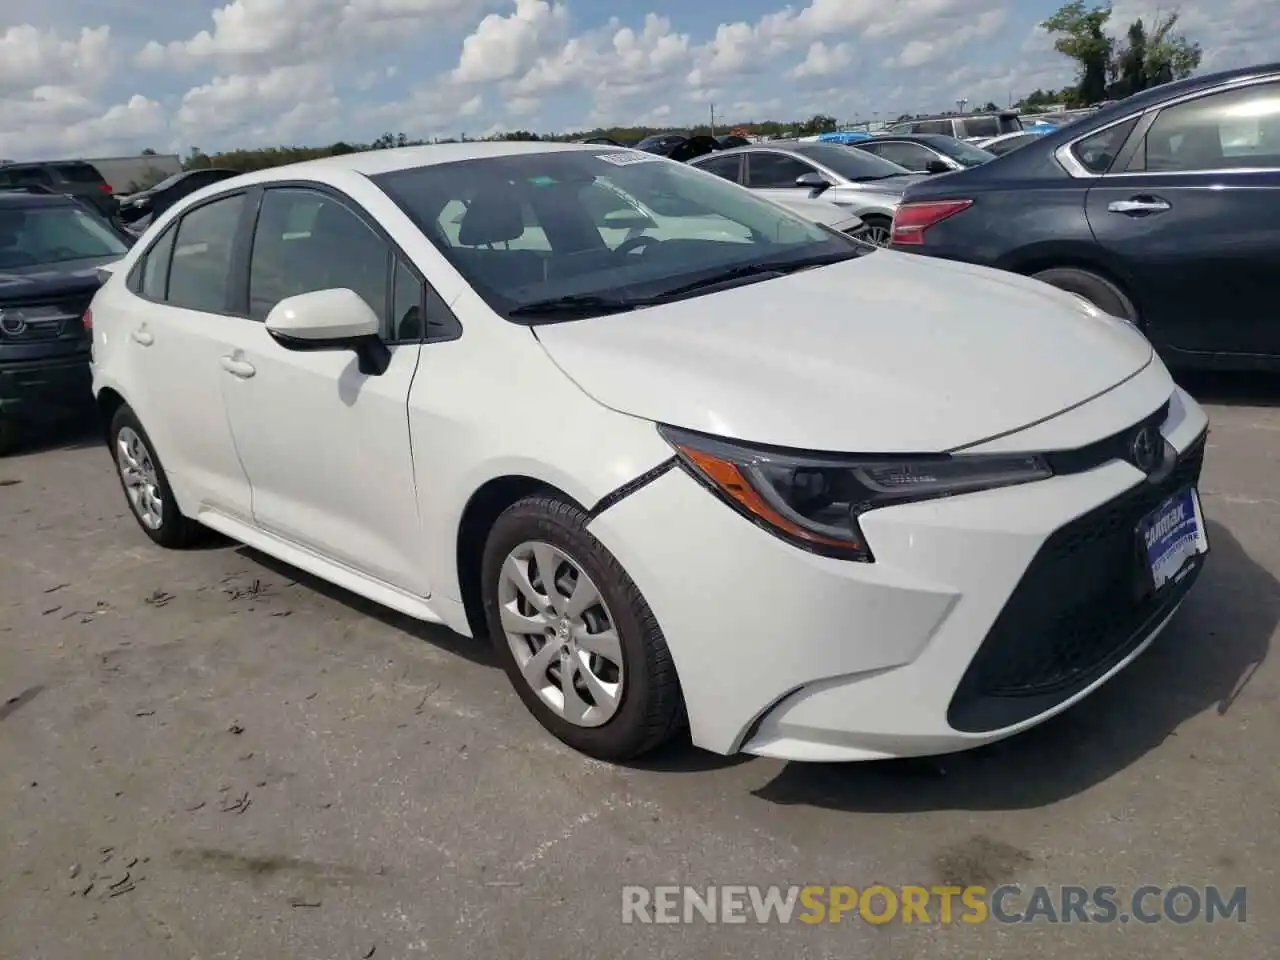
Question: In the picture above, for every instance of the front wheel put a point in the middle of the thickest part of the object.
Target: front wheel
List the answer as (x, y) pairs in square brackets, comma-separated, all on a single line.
[(577, 639), (146, 486)]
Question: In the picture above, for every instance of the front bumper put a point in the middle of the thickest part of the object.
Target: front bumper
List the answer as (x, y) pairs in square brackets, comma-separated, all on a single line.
[(785, 654), (46, 388)]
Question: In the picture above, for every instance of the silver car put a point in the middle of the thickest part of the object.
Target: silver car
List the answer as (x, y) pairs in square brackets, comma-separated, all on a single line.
[(866, 185)]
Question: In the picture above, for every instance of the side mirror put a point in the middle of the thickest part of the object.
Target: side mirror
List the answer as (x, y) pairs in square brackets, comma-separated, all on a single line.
[(937, 166), (336, 319), (815, 183)]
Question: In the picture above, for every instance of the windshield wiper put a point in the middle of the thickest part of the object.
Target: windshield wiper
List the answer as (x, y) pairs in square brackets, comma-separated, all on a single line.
[(578, 304), (590, 304), (762, 270)]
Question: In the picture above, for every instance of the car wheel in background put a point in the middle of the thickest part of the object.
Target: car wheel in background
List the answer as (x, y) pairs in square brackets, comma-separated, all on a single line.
[(573, 632), (1099, 291), (146, 487), (876, 230), (10, 433)]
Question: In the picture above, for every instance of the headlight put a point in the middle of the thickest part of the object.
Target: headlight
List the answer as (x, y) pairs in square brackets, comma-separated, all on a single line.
[(814, 500)]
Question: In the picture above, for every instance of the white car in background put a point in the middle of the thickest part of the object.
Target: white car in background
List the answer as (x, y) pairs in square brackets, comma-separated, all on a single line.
[(668, 473)]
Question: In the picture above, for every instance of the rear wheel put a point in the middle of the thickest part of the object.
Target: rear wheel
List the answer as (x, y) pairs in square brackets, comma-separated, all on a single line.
[(877, 230), (573, 632), (146, 486), (1098, 290)]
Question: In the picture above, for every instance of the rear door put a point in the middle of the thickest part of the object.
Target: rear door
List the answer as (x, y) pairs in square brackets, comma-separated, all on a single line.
[(729, 167), (914, 156), (1191, 210), (172, 325)]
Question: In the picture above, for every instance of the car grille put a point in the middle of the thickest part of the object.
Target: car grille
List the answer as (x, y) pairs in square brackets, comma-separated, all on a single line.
[(29, 321), (1084, 603)]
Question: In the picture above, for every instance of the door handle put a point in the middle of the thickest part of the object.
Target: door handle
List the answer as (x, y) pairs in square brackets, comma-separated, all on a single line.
[(1139, 205), (142, 336), (237, 367)]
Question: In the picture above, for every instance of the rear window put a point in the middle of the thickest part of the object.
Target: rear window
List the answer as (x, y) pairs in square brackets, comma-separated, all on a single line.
[(78, 172), (982, 127), (933, 126)]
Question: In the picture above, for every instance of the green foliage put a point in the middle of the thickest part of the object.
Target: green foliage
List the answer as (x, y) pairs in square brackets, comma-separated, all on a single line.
[(1145, 59)]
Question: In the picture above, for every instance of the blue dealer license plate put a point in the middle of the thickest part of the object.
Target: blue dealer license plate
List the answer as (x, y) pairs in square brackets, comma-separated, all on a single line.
[(1173, 534)]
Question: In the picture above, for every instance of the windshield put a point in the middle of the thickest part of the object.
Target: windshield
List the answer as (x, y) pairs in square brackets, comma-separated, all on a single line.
[(850, 162), (604, 224), (36, 235), (966, 153)]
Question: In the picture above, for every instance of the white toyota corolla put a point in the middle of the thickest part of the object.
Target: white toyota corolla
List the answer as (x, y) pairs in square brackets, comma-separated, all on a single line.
[(686, 457)]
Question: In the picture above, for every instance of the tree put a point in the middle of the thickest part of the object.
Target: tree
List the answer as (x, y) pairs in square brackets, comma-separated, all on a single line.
[(148, 152), (990, 107), (818, 123), (1130, 67), (1081, 35), (1146, 58), (1169, 56)]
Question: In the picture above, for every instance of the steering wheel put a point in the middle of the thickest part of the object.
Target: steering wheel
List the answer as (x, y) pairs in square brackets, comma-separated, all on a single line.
[(635, 243)]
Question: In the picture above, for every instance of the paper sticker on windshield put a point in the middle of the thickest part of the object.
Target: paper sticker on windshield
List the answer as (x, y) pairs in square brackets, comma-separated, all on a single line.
[(621, 158)]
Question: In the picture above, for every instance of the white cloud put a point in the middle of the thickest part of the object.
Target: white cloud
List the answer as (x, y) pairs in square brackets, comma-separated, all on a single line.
[(823, 61), (31, 57), (503, 47), (268, 33)]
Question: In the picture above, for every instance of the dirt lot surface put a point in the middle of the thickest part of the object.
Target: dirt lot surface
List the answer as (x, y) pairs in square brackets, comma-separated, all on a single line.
[(209, 755)]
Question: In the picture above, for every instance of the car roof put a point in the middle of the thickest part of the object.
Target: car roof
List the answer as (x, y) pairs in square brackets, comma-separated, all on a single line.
[(371, 163), (23, 198), (925, 138), (46, 163)]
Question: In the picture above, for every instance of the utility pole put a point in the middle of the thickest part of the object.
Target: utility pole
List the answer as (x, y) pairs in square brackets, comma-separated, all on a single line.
[(713, 119)]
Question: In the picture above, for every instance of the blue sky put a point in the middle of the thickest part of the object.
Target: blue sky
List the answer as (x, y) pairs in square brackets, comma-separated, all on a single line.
[(95, 77)]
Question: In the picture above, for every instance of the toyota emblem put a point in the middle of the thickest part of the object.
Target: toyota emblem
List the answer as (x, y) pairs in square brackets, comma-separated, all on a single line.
[(1145, 450), (13, 323)]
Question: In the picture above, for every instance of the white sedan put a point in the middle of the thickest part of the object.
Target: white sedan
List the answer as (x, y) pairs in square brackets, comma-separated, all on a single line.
[(806, 498)]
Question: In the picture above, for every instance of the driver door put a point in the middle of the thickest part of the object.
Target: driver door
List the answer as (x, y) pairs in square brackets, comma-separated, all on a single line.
[(774, 175), (326, 447)]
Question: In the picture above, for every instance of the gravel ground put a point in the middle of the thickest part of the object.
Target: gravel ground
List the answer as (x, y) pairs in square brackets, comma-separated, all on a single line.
[(211, 755)]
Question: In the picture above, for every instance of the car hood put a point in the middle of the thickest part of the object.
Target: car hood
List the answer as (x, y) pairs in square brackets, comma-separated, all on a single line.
[(72, 276), (888, 353)]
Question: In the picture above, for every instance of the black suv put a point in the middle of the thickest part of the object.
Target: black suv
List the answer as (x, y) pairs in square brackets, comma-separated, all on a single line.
[(51, 249), (75, 178)]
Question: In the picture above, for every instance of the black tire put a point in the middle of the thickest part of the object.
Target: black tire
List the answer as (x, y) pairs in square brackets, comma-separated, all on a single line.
[(651, 710), (1099, 291), (10, 434), (876, 223), (175, 531)]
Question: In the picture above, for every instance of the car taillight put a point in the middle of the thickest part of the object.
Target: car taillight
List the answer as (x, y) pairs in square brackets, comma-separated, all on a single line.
[(87, 320), (104, 187), (912, 219)]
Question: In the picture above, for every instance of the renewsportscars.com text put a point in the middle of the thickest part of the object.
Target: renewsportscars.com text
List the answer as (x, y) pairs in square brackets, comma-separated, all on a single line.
[(879, 904)]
